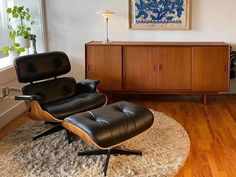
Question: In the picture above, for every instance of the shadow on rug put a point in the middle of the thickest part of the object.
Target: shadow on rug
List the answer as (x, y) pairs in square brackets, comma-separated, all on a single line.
[(165, 148)]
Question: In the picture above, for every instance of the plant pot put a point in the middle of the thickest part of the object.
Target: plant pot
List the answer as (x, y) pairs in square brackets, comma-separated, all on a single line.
[(22, 41), (12, 56), (32, 49)]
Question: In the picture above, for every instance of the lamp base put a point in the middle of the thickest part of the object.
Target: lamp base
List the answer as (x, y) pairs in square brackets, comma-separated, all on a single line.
[(107, 42)]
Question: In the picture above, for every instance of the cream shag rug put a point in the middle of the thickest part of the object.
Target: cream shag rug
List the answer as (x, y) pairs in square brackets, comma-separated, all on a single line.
[(165, 148)]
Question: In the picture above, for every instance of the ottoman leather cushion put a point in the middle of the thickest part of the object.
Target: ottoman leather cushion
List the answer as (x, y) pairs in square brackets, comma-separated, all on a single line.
[(112, 124)]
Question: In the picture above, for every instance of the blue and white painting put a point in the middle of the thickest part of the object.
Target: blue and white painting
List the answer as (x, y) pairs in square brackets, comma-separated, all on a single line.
[(160, 14)]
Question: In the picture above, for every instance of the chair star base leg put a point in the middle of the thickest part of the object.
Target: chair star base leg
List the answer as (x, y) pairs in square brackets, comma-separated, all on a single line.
[(48, 132), (109, 152), (70, 136)]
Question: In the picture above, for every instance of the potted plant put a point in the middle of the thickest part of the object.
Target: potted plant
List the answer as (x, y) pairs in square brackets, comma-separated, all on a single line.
[(33, 43), (20, 25), (19, 31)]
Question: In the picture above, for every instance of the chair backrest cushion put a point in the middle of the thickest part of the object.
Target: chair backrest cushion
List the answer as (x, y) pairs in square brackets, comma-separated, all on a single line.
[(36, 67), (52, 90)]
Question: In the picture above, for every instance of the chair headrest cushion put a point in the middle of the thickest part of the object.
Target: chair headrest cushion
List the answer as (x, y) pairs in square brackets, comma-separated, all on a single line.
[(36, 67)]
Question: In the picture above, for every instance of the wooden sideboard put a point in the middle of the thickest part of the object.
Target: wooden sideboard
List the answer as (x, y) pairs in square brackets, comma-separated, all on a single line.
[(159, 67)]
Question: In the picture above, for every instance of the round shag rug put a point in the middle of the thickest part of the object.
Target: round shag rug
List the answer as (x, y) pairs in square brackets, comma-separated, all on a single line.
[(165, 147)]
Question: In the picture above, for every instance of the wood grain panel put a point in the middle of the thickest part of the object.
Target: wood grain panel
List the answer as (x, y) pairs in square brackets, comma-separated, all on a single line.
[(210, 68), (105, 64), (140, 68), (175, 68), (154, 68)]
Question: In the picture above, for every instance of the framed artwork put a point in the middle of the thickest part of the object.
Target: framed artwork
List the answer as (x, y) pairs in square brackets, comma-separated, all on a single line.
[(159, 14)]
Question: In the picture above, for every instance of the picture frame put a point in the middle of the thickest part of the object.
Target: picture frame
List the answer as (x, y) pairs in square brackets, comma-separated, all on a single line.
[(160, 14)]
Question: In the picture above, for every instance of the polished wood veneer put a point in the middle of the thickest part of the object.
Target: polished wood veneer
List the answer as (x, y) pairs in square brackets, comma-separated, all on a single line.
[(159, 67), (154, 68), (105, 64), (210, 68)]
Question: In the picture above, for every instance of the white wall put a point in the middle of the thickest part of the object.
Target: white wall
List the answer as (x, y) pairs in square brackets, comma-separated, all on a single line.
[(72, 23)]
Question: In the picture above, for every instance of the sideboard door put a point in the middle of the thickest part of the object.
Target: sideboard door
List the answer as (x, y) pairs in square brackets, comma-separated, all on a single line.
[(210, 68), (175, 68), (140, 66), (105, 64), (157, 68)]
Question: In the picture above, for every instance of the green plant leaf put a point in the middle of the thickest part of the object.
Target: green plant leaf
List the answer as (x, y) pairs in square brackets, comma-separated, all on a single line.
[(15, 16), (12, 35), (11, 48), (33, 22), (9, 10), (21, 49), (20, 9), (5, 50), (16, 44)]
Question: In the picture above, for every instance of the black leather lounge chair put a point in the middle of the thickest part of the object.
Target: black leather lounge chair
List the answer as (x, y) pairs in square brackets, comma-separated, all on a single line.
[(51, 98)]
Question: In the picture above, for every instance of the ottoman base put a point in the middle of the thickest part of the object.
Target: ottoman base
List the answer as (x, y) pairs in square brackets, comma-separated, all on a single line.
[(108, 152)]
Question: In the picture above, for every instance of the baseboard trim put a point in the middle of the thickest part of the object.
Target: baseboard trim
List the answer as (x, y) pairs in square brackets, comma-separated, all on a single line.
[(12, 113)]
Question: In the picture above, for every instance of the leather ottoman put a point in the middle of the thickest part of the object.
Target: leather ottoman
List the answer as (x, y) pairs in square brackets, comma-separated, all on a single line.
[(108, 126)]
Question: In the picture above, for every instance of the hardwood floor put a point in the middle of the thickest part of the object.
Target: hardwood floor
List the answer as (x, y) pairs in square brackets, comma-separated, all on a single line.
[(211, 128), (13, 125)]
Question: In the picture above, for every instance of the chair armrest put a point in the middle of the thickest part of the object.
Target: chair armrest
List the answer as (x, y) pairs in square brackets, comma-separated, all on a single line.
[(87, 85), (28, 97)]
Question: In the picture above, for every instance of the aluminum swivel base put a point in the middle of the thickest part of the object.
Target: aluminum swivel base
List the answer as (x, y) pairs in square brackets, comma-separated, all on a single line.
[(109, 152)]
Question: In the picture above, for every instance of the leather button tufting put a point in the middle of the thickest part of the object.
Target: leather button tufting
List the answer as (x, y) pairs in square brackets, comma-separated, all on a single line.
[(66, 87), (42, 66), (113, 123), (118, 108)]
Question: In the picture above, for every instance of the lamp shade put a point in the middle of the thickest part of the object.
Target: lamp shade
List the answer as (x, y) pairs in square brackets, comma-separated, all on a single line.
[(106, 13)]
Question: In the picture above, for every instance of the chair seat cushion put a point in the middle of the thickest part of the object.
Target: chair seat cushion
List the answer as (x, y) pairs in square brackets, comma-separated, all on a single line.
[(112, 124), (75, 104)]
